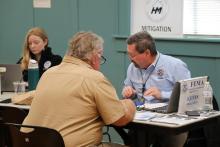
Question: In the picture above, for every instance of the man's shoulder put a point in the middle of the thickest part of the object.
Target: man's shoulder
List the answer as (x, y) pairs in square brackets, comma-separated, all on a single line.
[(77, 71), (170, 59), (94, 73), (131, 66)]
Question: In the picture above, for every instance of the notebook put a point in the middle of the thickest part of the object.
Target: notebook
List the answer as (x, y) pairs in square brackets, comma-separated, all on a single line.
[(172, 105), (13, 73)]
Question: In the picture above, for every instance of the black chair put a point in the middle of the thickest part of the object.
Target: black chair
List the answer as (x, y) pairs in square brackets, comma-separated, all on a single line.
[(127, 136), (106, 133), (35, 137), (10, 114)]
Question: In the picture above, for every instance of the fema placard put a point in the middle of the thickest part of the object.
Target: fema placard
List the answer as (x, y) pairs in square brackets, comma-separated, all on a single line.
[(191, 94), (161, 18)]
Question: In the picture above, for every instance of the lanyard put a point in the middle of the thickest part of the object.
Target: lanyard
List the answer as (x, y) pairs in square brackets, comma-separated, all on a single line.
[(144, 82)]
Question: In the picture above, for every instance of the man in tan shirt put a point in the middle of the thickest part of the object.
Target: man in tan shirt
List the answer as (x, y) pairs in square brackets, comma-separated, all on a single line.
[(76, 99)]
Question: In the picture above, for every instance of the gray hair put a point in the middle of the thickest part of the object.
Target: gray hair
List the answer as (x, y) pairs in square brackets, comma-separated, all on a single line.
[(84, 44)]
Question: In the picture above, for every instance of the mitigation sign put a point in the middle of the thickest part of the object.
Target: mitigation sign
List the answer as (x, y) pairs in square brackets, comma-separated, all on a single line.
[(161, 18)]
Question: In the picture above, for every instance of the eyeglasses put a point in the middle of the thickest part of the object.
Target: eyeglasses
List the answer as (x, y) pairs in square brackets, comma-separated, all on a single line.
[(134, 56), (103, 60)]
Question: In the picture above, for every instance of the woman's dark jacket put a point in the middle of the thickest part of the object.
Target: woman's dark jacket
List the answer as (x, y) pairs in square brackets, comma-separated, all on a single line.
[(47, 60)]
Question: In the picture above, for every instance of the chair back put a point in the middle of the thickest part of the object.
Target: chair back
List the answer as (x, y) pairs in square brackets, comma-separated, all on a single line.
[(35, 137), (11, 114)]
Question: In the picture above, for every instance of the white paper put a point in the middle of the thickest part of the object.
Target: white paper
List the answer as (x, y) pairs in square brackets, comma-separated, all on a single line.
[(148, 98), (174, 119), (42, 3), (144, 115), (154, 105)]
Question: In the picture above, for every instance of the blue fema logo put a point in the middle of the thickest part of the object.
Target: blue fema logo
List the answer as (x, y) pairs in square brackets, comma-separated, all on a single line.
[(157, 9), (184, 87)]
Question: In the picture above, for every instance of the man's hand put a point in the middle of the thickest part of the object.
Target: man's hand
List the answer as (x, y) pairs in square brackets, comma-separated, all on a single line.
[(153, 91), (128, 92)]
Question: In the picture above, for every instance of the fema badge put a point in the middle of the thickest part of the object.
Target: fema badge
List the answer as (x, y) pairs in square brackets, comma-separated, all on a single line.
[(160, 73), (184, 87), (47, 64)]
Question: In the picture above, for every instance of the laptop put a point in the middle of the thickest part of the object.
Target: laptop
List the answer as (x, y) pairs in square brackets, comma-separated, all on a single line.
[(13, 73), (172, 105)]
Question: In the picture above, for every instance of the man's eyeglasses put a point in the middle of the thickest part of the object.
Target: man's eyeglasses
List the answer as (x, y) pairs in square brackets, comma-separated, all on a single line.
[(103, 60), (134, 56)]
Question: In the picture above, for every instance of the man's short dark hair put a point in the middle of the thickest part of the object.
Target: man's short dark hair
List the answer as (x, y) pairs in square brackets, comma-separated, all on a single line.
[(143, 41)]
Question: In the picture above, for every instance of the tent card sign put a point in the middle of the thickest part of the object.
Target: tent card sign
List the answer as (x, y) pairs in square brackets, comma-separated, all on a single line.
[(191, 94)]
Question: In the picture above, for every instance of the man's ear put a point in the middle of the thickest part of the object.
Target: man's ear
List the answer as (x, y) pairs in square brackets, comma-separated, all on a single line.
[(147, 52), (93, 60)]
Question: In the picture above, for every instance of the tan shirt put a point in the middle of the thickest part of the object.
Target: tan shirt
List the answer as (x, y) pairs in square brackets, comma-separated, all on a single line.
[(77, 101)]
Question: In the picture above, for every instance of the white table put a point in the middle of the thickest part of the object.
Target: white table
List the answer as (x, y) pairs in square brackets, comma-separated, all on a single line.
[(8, 95), (160, 123), (168, 124)]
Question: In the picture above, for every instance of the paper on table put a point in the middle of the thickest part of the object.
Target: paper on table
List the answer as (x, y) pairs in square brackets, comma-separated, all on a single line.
[(144, 115), (149, 98), (174, 119), (154, 105)]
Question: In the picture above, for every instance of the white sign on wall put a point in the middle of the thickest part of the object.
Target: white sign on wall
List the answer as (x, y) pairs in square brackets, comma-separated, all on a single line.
[(161, 18), (42, 3)]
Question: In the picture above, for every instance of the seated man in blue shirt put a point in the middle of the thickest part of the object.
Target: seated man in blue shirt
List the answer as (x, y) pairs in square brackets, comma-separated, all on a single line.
[(151, 77)]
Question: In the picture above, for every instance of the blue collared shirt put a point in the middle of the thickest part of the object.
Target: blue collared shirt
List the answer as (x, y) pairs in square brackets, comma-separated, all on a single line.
[(163, 73)]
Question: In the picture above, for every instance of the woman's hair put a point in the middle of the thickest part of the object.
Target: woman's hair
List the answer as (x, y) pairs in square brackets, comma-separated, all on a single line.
[(84, 44), (26, 56)]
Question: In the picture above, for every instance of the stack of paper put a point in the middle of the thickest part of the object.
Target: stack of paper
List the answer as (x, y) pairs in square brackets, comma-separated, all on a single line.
[(144, 115), (154, 105), (174, 119)]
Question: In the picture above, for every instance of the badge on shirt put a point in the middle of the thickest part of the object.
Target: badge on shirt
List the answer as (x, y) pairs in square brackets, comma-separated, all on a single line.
[(160, 73), (47, 64)]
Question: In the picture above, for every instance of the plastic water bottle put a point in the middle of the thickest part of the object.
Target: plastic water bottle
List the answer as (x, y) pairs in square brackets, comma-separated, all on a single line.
[(208, 96), (33, 74), (2, 70)]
